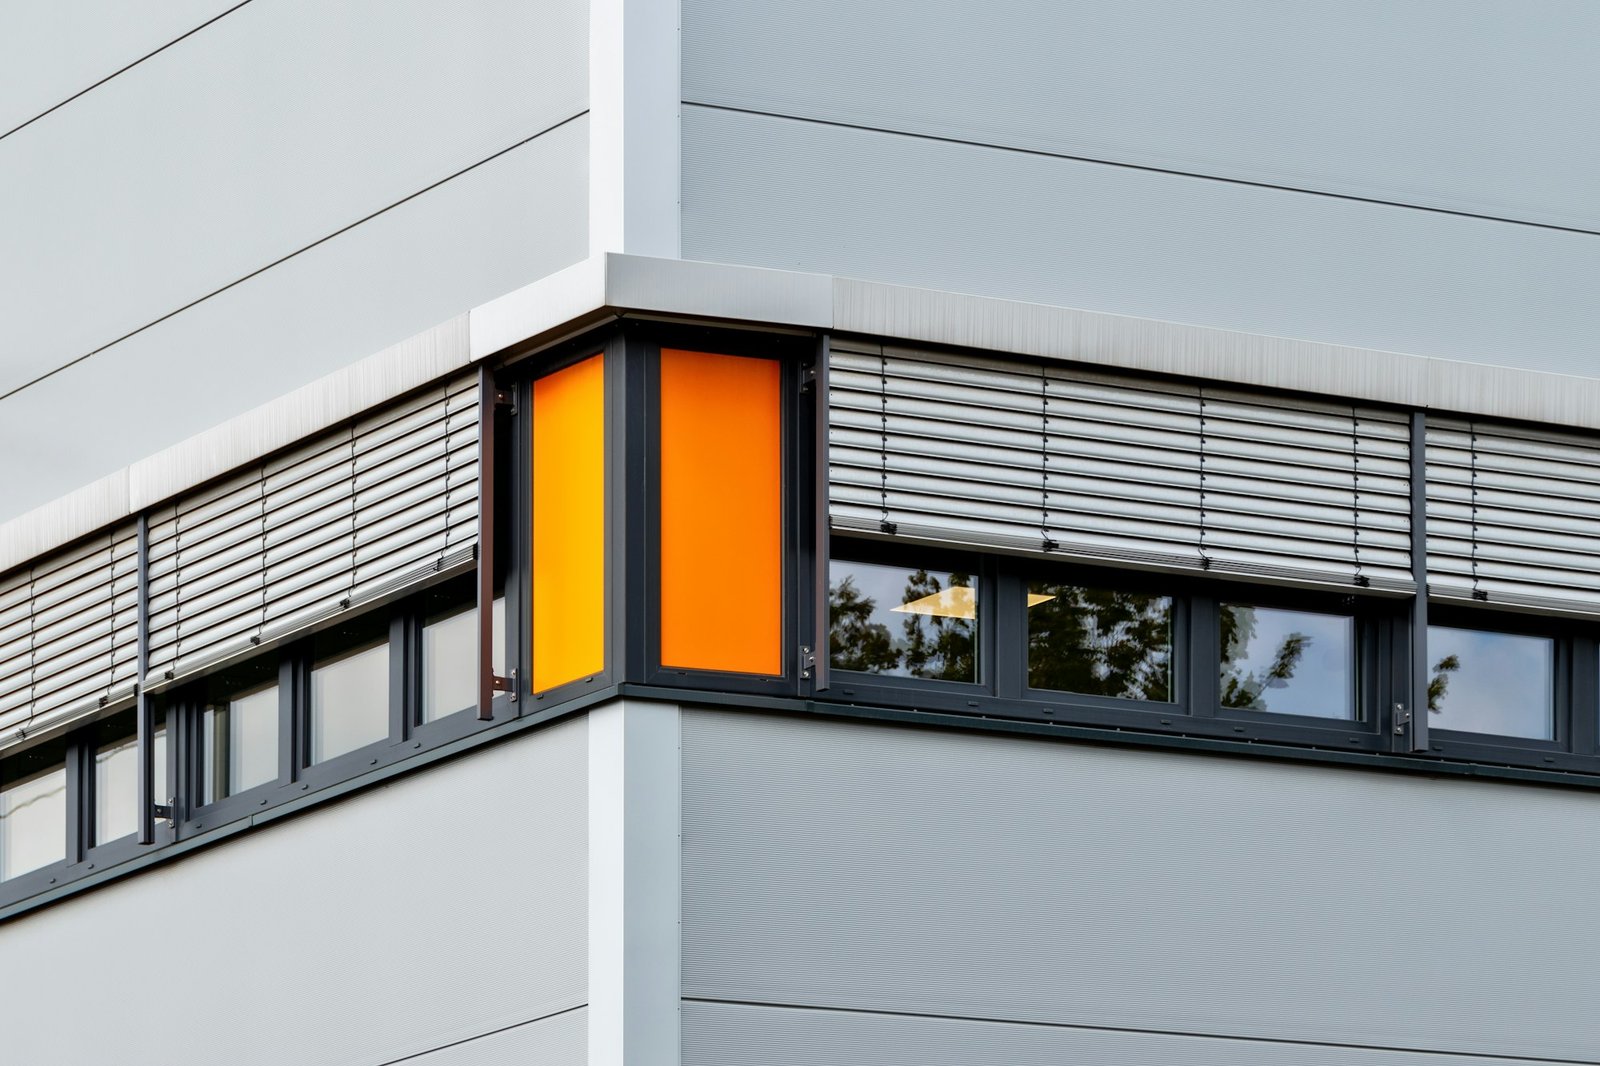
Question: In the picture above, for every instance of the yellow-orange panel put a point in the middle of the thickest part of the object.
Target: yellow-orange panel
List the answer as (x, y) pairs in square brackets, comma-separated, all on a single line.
[(569, 524), (721, 513)]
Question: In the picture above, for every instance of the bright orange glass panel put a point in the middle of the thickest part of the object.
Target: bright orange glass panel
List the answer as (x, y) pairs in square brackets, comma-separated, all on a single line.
[(569, 524), (721, 514)]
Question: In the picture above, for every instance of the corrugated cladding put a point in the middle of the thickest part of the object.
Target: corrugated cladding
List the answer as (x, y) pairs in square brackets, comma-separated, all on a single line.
[(342, 520), (1513, 516), (1037, 458), (345, 519), (69, 633)]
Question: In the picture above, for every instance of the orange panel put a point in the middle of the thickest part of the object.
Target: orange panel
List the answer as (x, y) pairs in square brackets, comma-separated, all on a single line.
[(721, 514), (569, 524)]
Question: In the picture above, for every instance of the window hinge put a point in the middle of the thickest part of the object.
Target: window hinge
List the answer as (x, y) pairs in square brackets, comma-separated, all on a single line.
[(808, 662), (508, 685), (808, 378), (164, 811), (1402, 719), (504, 399)]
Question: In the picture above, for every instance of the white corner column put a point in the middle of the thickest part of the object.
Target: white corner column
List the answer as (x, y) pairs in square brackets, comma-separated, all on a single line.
[(635, 127), (635, 884)]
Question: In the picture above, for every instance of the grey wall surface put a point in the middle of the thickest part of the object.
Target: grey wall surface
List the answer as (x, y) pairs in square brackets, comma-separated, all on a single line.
[(446, 907), (559, 1040), (296, 183), (1374, 173), (945, 876), (725, 1034)]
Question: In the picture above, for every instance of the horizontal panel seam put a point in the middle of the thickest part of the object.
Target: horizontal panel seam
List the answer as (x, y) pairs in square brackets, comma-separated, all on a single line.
[(122, 70), (860, 1011), (1148, 168), (480, 1036), (291, 255)]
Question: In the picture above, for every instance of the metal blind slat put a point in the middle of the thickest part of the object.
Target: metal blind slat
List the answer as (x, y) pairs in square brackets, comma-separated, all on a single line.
[(1003, 454)]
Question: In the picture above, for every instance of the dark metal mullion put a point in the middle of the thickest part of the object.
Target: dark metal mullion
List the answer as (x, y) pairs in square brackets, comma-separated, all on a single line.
[(1003, 630), (644, 420), (488, 397), (1413, 734), (405, 673), (1583, 695), (144, 710), (518, 555), (294, 715), (79, 794), (821, 533), (1205, 657), (626, 430)]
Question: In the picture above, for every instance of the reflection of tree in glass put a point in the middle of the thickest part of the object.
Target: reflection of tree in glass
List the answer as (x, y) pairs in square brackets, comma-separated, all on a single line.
[(929, 645), (1243, 690), (1099, 642), (1440, 683), (855, 641), (949, 651)]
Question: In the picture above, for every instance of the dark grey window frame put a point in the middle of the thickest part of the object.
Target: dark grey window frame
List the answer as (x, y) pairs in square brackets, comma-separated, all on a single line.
[(1575, 694), (1003, 690)]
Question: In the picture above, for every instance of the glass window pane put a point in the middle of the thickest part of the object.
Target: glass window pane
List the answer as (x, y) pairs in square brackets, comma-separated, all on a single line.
[(33, 809), (349, 690), (1100, 642), (903, 622), (1500, 683), (1287, 662), (116, 776), (239, 727), (449, 661)]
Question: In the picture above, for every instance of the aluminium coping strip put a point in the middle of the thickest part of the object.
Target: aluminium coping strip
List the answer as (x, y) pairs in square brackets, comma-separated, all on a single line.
[(895, 313)]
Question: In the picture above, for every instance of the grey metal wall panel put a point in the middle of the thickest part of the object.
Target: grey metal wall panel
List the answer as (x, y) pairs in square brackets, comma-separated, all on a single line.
[(725, 1034), (945, 873), (52, 51), (275, 127), (445, 906), (561, 1040), (782, 193), (1477, 109), (510, 221)]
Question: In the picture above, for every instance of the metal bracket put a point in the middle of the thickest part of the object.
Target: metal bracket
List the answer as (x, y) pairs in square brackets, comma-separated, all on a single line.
[(508, 685), (1402, 719), (808, 378), (164, 811), (503, 398), (808, 662)]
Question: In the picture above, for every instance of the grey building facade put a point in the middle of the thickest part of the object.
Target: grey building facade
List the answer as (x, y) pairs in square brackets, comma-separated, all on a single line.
[(1189, 385)]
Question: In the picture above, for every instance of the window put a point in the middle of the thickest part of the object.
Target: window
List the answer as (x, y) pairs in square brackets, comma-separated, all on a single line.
[(1100, 642), (450, 651), (903, 622), (1487, 682), (1286, 662), (349, 688), (116, 776), (33, 809), (239, 730)]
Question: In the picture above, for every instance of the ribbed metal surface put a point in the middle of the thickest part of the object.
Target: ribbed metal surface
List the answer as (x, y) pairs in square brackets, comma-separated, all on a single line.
[(726, 1034), (345, 518), (446, 907), (876, 868), (1039, 458), (68, 634), (1513, 516)]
